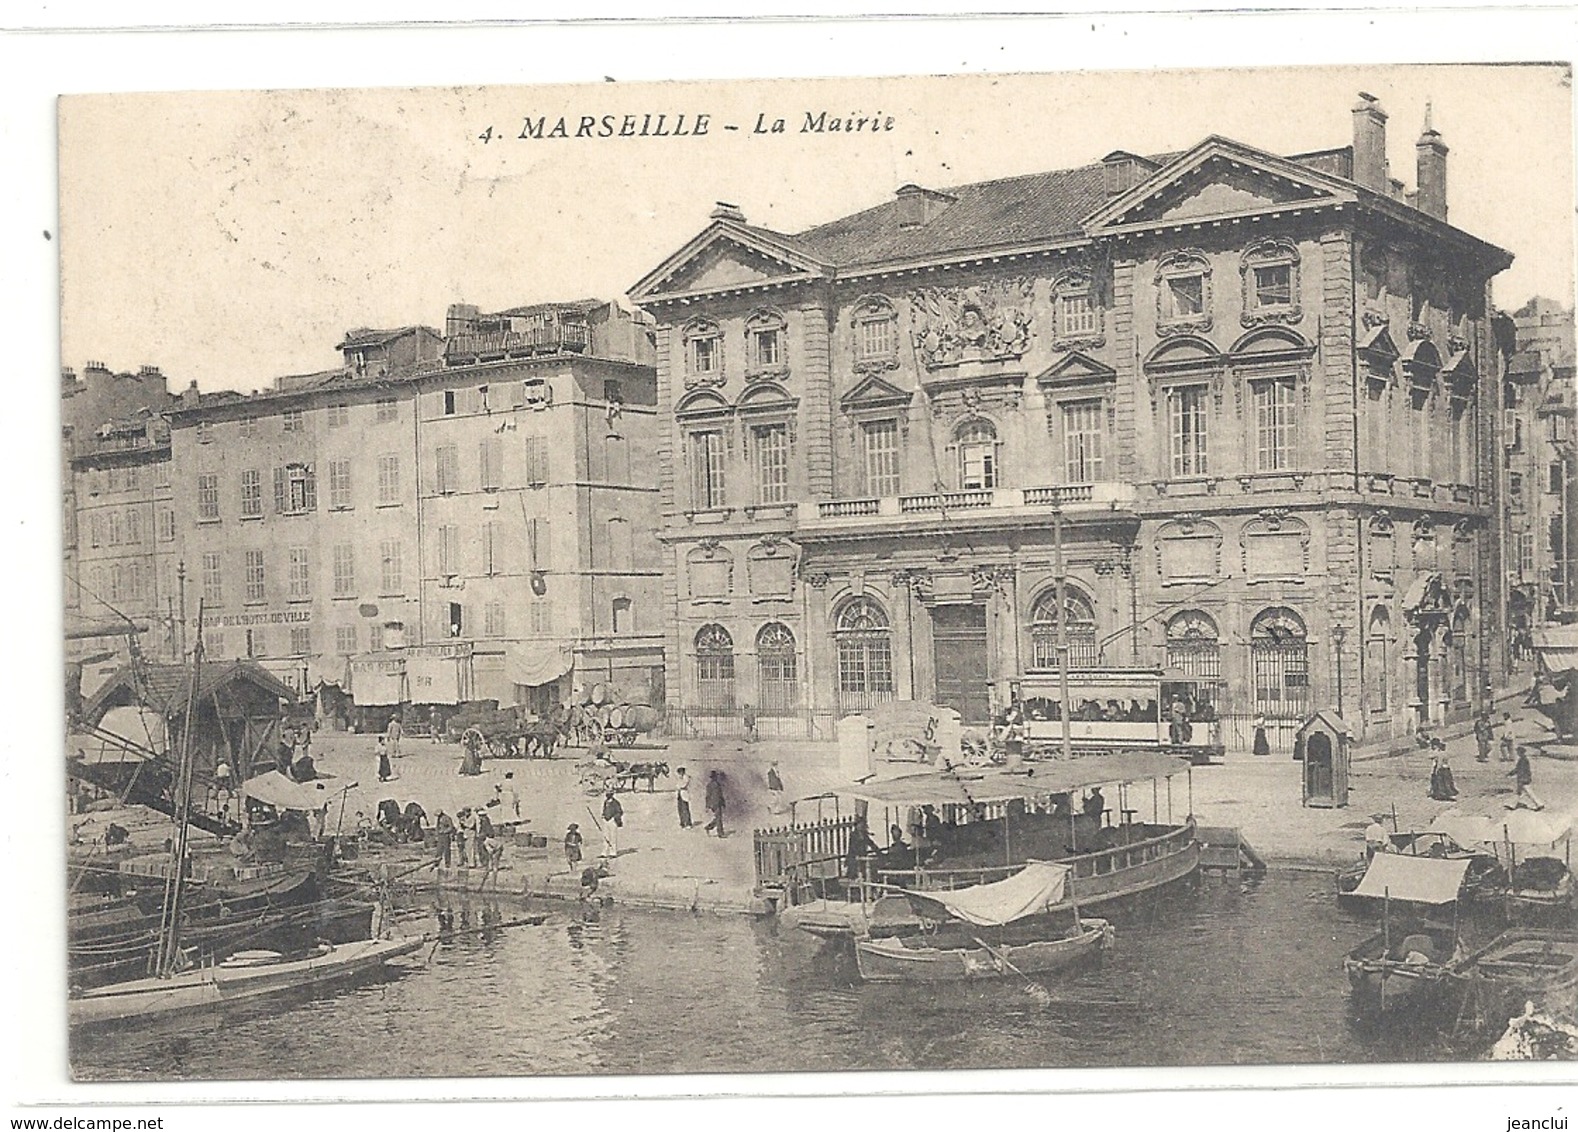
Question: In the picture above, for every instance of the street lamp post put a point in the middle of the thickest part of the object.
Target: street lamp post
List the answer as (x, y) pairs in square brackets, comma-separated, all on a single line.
[(1338, 636)]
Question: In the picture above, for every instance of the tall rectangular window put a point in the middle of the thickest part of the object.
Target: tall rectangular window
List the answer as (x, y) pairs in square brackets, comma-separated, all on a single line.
[(339, 415), (881, 463), (295, 489), (248, 426), (1183, 296), (1082, 441), (387, 409), (1273, 285), (345, 640), (300, 573), (706, 469), (536, 460), (390, 580), (491, 460), (213, 580), (301, 640), (389, 478), (166, 526), (134, 527), (344, 570), (256, 587), (1274, 425), (339, 483), (208, 496), (767, 349), (257, 642), (446, 469), (770, 454), (375, 638), (1186, 413), (493, 619), (1526, 554), (293, 420), (1075, 314), (448, 549), (541, 617), (876, 337), (251, 493)]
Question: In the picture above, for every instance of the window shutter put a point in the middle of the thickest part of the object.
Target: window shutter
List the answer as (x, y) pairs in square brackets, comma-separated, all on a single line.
[(279, 491), (311, 490)]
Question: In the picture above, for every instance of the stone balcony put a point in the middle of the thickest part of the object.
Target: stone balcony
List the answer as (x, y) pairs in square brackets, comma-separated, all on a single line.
[(1009, 504)]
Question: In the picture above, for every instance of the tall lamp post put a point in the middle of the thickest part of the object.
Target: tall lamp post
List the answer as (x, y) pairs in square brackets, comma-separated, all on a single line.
[(1338, 636)]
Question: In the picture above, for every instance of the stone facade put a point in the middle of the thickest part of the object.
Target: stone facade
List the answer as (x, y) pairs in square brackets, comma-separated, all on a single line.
[(1245, 400)]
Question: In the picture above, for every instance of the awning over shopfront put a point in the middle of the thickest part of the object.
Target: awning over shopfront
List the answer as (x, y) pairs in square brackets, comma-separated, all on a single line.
[(1556, 647), (378, 679), (327, 670), (436, 679), (535, 663)]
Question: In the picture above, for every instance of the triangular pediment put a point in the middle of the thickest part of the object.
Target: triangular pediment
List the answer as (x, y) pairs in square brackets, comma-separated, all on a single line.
[(1076, 368), (1377, 345), (723, 257), (874, 392), (1218, 178)]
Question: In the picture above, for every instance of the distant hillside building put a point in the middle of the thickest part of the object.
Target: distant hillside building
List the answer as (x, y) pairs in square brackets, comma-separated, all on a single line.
[(1261, 391)]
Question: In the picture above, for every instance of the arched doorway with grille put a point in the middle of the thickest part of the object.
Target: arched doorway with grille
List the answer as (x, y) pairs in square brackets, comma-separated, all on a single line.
[(1081, 621), (777, 670), (864, 642), (714, 670), (1194, 648), (1279, 662)]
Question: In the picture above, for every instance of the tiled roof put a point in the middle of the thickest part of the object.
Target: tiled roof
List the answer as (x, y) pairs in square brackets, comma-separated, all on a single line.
[(582, 305), (166, 685), (364, 336), (1014, 210)]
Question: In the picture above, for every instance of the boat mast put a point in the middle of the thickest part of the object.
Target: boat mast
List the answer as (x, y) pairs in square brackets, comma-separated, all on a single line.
[(170, 935)]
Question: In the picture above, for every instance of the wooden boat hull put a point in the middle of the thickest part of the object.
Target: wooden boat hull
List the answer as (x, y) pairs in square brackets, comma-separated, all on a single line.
[(211, 987), (890, 960), (1099, 879), (1520, 966), (1386, 984)]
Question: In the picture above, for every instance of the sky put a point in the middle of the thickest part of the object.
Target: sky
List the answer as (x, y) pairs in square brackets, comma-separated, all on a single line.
[(232, 237)]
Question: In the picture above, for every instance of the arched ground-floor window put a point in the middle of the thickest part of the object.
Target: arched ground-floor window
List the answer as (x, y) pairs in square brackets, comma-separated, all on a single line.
[(864, 642), (777, 669), (1081, 621), (1279, 659), (714, 669)]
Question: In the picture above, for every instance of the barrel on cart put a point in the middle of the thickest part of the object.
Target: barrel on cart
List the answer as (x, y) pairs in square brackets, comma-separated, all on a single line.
[(625, 723)]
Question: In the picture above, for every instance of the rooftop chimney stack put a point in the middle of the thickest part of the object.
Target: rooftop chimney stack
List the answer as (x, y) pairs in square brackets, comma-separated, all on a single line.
[(1431, 198), (1369, 144), (727, 211)]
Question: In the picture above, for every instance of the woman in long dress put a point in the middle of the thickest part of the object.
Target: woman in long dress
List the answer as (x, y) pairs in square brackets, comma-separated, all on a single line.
[(1262, 746)]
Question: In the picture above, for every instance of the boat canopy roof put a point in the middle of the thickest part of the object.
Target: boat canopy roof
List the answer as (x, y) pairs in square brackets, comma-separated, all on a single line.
[(965, 785), (1038, 887), (1420, 880), (1520, 827), (274, 789)]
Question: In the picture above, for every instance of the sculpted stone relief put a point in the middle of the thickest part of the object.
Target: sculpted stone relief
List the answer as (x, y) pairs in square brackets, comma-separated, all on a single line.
[(987, 322)]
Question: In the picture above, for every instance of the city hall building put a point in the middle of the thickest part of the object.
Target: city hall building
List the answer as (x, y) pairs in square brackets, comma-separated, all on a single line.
[(1248, 400)]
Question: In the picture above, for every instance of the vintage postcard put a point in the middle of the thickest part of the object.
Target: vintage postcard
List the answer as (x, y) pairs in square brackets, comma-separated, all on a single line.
[(1009, 571)]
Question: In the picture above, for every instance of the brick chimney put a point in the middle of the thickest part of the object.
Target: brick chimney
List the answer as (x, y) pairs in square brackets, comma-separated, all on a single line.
[(727, 211), (917, 206), (1369, 144), (1431, 198)]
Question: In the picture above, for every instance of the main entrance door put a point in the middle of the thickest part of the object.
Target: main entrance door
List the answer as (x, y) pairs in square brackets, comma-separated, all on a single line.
[(958, 634)]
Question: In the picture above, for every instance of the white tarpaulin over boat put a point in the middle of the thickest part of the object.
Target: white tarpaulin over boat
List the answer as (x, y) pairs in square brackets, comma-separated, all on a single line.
[(969, 785), (1040, 885), (274, 789), (1420, 880), (1520, 827)]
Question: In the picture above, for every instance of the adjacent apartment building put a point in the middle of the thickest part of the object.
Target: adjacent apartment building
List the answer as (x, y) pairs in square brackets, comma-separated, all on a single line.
[(117, 517), (1257, 393), (1542, 527), (444, 517)]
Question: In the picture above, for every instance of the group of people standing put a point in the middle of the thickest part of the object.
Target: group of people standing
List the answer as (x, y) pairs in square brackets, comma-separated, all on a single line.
[(469, 838)]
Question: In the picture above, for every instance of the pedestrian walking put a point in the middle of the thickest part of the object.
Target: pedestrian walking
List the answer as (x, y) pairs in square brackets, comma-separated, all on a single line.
[(1505, 751), (1523, 775), (775, 790), (682, 799), (392, 733), (444, 826), (511, 795), (748, 715), (572, 846), (385, 771), (1482, 735), (715, 802), (1262, 745), (466, 833), (435, 723)]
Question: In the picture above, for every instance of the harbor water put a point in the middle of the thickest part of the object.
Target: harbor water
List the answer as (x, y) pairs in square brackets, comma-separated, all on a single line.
[(1227, 972)]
